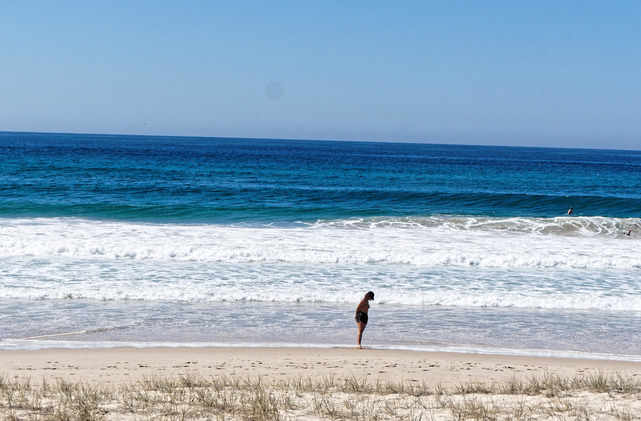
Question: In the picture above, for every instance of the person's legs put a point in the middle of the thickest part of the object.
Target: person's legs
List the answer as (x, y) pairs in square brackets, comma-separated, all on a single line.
[(361, 328)]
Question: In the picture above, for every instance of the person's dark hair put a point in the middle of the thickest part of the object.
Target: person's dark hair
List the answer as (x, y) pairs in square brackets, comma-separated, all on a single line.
[(370, 294)]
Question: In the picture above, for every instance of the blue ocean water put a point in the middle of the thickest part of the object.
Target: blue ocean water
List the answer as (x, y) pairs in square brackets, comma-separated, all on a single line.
[(139, 240)]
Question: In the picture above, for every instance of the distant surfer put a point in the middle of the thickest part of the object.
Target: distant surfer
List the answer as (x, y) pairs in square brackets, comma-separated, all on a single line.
[(570, 212), (361, 315), (628, 233)]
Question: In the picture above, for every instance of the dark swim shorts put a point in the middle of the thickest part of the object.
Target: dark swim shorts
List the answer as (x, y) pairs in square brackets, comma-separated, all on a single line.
[(361, 317)]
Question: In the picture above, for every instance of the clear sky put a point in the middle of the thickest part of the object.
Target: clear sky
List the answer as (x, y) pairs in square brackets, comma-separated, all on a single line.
[(511, 72)]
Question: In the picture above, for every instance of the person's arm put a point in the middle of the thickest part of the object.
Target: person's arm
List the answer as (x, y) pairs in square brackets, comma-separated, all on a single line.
[(358, 307)]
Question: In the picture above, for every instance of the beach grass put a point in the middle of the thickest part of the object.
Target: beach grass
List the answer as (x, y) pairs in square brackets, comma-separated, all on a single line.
[(190, 397)]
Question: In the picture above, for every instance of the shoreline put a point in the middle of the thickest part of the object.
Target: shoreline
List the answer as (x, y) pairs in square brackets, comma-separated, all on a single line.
[(28, 346), (448, 369)]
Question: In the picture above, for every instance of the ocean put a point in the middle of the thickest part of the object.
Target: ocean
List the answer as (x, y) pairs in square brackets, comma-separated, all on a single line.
[(113, 240)]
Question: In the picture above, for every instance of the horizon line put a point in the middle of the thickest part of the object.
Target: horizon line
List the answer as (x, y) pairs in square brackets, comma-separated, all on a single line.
[(402, 142)]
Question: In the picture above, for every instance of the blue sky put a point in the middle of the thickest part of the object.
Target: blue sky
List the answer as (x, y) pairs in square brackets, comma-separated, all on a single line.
[(538, 73)]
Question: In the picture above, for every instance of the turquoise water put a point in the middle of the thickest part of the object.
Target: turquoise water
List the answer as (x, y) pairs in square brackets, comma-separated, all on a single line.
[(160, 179), (162, 240)]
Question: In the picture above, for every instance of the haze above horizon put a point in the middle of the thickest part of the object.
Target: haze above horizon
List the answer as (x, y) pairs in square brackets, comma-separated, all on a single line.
[(546, 73)]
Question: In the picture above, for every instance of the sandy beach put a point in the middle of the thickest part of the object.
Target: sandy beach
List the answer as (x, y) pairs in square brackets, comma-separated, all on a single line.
[(382, 376), (114, 366)]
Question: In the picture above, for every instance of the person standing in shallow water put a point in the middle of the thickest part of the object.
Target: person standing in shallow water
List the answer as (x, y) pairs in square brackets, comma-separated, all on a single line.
[(361, 315)]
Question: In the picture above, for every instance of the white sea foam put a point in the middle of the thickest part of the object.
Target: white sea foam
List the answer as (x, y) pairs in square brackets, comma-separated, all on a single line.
[(595, 243), (457, 262), (279, 293)]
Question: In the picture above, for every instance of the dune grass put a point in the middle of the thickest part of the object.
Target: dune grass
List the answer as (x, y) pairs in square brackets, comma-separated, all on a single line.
[(188, 397)]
